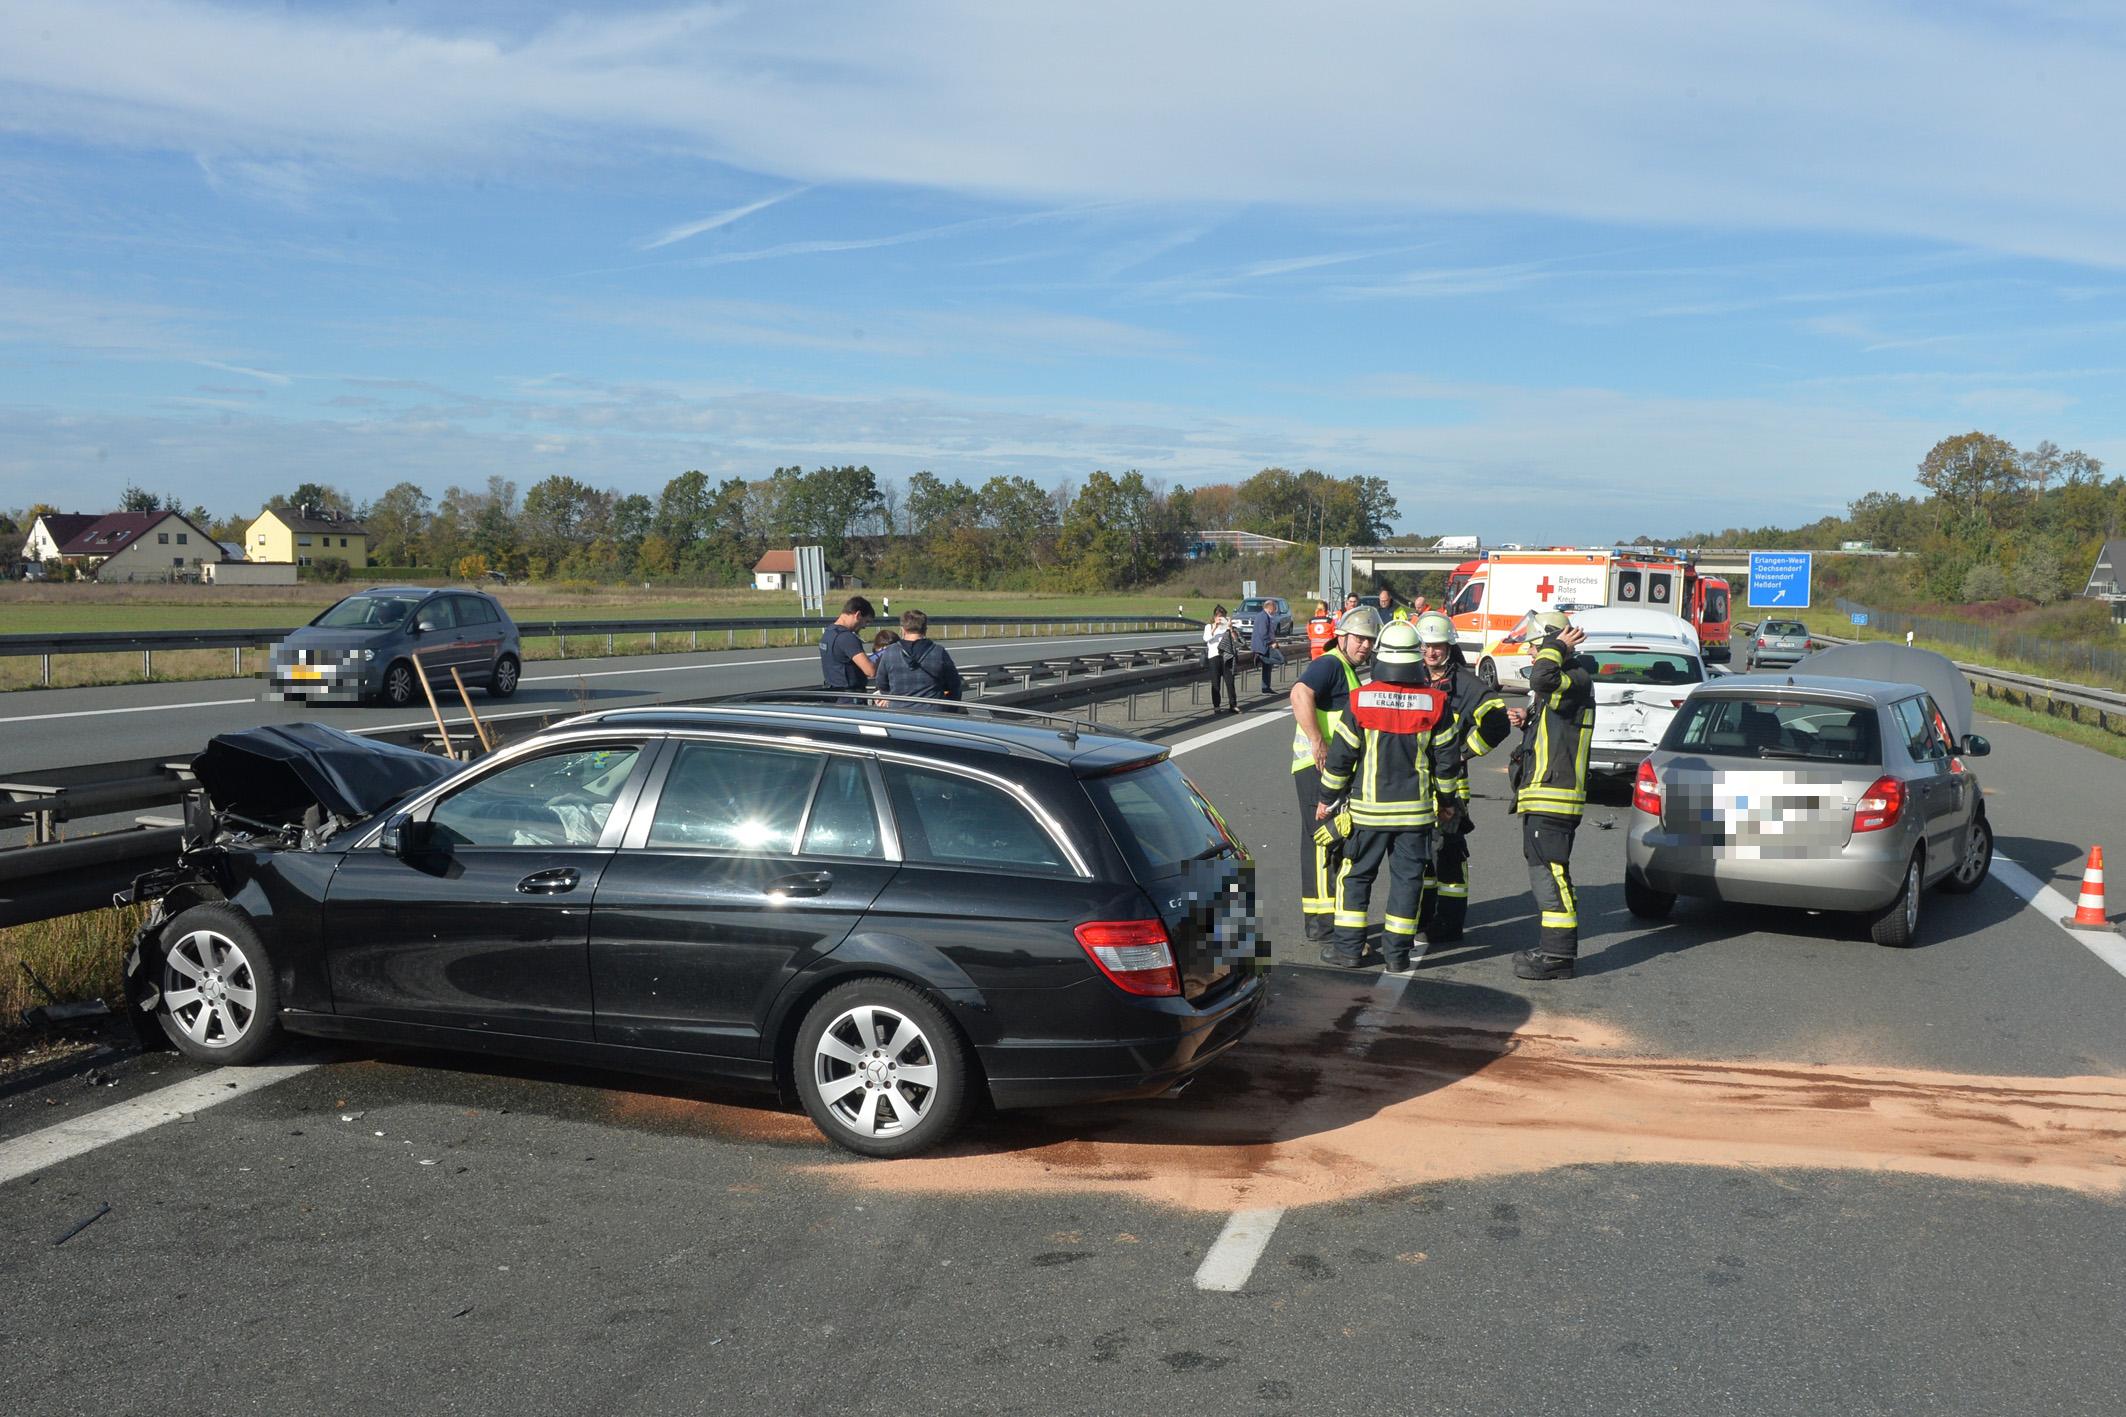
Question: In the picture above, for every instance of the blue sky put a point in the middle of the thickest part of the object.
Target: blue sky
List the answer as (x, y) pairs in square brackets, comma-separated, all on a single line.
[(1555, 271)]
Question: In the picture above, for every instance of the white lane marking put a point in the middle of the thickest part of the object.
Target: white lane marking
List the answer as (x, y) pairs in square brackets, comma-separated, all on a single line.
[(143, 708), (1216, 735), (1231, 1258), (120, 1120), (529, 679), (2057, 908)]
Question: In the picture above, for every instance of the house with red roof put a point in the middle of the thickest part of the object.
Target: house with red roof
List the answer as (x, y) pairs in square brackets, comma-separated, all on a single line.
[(122, 546)]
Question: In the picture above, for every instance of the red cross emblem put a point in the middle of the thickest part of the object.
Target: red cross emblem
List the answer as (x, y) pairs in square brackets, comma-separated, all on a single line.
[(1543, 588)]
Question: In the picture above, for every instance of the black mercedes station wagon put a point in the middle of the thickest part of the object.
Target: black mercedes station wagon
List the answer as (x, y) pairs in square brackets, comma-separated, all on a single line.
[(886, 913)]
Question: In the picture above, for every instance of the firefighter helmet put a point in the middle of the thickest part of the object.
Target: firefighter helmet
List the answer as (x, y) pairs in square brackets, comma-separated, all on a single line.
[(1550, 622), (1396, 659), (1363, 622), (1434, 628)]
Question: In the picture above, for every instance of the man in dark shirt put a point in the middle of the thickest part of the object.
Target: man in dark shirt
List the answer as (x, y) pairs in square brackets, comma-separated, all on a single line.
[(915, 667), (842, 661)]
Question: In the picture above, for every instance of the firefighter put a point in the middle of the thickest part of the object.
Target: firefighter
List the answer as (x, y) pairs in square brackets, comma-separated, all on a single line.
[(1321, 630), (1550, 788), (1318, 703), (1476, 716), (1391, 752)]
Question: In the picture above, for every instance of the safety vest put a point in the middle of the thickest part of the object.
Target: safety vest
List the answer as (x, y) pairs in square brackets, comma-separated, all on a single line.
[(1302, 750), (1550, 768), (1321, 633)]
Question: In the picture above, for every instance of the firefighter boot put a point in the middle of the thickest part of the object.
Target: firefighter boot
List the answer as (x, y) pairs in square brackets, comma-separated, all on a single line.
[(1534, 964)]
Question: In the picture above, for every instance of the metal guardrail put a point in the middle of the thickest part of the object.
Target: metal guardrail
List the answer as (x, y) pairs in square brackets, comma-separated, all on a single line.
[(146, 642), (50, 877)]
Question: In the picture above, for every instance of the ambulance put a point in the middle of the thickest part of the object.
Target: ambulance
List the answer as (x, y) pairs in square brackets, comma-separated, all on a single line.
[(1491, 597)]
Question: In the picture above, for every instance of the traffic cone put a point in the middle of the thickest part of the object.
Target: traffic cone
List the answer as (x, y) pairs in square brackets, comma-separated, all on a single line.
[(2089, 911)]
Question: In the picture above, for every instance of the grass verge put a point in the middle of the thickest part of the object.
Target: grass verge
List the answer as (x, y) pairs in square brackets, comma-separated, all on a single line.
[(2088, 735), (76, 956)]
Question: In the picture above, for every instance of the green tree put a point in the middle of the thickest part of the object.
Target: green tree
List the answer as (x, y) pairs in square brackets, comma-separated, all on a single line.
[(398, 524), (138, 499), (1971, 469), (1985, 581)]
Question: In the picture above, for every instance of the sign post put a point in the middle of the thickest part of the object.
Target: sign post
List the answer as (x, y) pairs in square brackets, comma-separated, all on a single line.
[(811, 579), (1247, 588), (1779, 580), (1334, 577)]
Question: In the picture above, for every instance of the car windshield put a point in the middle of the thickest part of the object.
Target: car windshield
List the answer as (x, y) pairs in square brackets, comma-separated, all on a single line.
[(1253, 602), (1642, 666), (368, 612), (1157, 819), (1789, 728)]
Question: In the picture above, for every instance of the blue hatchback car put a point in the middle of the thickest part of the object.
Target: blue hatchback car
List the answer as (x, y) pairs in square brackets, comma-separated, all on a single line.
[(370, 646)]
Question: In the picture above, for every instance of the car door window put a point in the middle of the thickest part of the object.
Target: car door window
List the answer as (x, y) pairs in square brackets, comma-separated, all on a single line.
[(734, 797), (471, 610), (1917, 726), (437, 614), (555, 799), (950, 820), (844, 819)]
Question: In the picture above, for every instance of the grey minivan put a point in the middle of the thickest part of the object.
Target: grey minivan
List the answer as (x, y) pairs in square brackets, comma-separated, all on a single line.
[(367, 646), (1841, 786)]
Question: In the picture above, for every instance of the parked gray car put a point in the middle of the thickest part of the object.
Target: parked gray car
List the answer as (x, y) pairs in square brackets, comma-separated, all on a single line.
[(1775, 644), (367, 646), (1841, 786)]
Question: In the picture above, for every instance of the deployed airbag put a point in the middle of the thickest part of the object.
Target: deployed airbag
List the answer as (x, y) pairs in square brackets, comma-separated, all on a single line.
[(279, 772)]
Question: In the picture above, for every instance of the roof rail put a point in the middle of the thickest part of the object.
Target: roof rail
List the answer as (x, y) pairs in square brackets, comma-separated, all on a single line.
[(1067, 728)]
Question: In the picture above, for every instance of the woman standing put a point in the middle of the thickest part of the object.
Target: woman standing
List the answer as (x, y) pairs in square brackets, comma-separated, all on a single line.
[(1221, 646)]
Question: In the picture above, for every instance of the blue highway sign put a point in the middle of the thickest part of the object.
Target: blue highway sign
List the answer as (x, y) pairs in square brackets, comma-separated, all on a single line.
[(1779, 580), (1860, 617)]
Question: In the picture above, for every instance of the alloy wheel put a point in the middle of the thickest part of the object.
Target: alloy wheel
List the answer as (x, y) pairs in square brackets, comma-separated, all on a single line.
[(209, 989), (875, 1071)]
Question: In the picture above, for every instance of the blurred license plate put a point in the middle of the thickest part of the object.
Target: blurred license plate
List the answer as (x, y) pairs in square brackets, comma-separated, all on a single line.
[(304, 671)]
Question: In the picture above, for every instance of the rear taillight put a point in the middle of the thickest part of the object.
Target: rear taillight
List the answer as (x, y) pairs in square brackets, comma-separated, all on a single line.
[(1880, 806), (1135, 954), (1646, 790), (1760, 642)]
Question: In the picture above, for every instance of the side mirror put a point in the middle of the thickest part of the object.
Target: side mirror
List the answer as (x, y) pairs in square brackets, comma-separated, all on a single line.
[(402, 835), (1975, 746)]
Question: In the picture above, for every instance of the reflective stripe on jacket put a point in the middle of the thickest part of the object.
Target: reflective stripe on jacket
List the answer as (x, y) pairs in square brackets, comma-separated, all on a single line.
[(1476, 715), (1302, 750), (1550, 766), (1390, 753)]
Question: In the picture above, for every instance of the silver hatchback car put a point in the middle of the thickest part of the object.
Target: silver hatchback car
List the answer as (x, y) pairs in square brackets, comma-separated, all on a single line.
[(1841, 786)]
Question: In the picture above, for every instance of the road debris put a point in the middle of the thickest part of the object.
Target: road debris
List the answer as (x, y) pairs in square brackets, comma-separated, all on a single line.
[(81, 1225)]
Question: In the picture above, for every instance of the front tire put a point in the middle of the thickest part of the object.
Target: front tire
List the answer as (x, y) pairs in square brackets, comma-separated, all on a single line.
[(881, 1069), (400, 690), (1897, 924), (1977, 862), (1488, 672), (220, 1002), (503, 683), (1644, 901)]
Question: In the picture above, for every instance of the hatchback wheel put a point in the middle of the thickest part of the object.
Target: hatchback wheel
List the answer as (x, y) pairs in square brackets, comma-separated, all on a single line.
[(881, 1069), (1897, 924), (1971, 871), (219, 1000), (400, 689), (504, 681), (1644, 901)]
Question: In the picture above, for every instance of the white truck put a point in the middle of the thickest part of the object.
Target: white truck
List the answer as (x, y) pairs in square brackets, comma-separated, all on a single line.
[(1459, 543)]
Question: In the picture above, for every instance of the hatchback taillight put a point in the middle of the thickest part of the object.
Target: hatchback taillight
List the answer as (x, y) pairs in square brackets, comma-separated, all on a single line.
[(1646, 790), (1880, 806), (1135, 954)]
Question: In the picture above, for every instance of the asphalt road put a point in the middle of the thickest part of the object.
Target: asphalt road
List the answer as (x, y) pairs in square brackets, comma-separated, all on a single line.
[(46, 728), (1748, 1162)]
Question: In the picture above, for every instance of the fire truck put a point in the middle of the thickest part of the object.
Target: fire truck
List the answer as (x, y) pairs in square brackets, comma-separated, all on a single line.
[(1490, 597)]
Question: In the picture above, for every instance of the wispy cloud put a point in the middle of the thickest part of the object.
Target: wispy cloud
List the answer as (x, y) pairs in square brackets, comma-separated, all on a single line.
[(264, 376), (691, 229)]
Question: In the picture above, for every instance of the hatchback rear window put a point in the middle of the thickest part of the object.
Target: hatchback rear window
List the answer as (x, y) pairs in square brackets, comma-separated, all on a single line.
[(1803, 730), (1157, 819), (1639, 666)]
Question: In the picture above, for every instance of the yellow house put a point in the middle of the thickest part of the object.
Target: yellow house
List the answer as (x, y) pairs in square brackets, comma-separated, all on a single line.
[(306, 535)]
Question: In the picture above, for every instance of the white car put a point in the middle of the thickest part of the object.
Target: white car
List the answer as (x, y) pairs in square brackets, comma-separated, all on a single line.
[(1644, 664)]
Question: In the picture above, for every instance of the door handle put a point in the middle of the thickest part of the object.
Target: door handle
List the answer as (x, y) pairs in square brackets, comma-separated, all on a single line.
[(804, 883), (559, 881)]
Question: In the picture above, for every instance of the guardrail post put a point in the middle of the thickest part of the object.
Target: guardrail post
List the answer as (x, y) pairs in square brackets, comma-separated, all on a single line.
[(236, 660), (609, 645), (47, 669), (147, 664), (653, 642), (730, 639)]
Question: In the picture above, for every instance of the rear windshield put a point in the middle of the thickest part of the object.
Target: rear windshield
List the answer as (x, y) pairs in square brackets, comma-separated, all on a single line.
[(369, 612), (1157, 819), (1781, 728), (1715, 605), (1782, 627), (1640, 666)]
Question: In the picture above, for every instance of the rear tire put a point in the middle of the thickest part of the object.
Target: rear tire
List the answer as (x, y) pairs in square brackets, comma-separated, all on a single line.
[(503, 682), (220, 1002), (1897, 924), (1977, 861), (1644, 901), (874, 1047)]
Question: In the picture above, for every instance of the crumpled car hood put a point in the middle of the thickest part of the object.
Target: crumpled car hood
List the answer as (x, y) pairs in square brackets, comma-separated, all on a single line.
[(1897, 664), (278, 772)]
